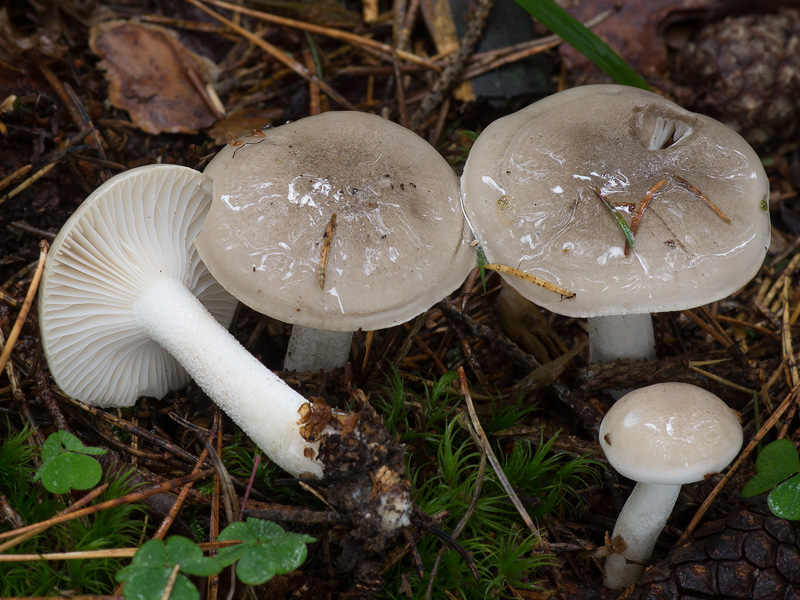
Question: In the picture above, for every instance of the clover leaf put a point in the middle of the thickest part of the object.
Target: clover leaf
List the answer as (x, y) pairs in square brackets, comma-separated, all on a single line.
[(266, 550), (778, 469), (66, 464), (149, 572)]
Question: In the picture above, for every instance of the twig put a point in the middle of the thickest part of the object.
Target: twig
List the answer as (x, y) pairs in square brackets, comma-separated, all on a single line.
[(95, 554), (337, 34), (637, 218), (506, 270), (71, 508), (26, 306), (790, 397), (682, 182), (276, 53), (476, 494), (170, 517), (137, 430), (451, 73), (722, 380), (139, 494)]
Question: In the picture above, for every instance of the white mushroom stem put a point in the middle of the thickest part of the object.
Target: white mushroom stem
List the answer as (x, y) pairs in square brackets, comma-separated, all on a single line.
[(621, 337), (256, 399), (639, 524), (314, 349)]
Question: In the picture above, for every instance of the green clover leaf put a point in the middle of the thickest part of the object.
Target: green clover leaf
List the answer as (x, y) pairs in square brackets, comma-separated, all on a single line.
[(266, 550), (777, 462), (149, 572), (66, 464)]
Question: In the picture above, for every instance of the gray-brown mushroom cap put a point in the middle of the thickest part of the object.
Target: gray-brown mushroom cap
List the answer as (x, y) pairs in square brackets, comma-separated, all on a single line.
[(400, 241), (528, 193)]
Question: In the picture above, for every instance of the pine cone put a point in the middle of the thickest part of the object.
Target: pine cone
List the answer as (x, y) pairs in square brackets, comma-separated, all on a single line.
[(745, 71), (745, 555)]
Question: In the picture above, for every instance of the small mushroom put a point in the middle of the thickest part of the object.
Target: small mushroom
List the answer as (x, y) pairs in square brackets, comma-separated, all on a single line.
[(661, 436), (336, 222), (552, 188), (127, 309)]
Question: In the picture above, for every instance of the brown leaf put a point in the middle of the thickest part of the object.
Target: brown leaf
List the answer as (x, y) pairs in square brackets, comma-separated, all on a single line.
[(635, 31), (149, 74)]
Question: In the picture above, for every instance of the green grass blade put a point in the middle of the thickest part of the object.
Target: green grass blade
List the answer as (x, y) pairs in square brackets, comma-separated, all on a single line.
[(580, 37)]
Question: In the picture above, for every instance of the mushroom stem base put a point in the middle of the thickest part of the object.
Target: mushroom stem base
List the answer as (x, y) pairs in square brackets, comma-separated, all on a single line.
[(639, 524)]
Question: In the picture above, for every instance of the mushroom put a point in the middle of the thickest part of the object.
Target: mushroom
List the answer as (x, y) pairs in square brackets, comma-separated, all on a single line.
[(661, 436), (539, 187), (127, 309), (335, 222)]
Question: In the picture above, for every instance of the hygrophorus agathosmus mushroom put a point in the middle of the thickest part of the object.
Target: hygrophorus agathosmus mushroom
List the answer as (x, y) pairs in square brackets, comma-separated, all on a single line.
[(539, 186), (661, 436), (334, 223)]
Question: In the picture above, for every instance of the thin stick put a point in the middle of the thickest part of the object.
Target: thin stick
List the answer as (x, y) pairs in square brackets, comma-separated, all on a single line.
[(26, 306), (324, 253), (681, 181), (276, 53), (722, 380), (530, 278), (122, 500), (93, 554), (71, 508), (773, 418), (169, 519), (637, 218), (336, 34), (448, 77)]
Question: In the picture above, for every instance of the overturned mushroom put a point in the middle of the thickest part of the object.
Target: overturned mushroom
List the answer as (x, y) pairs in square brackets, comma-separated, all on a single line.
[(335, 222), (124, 312), (559, 189)]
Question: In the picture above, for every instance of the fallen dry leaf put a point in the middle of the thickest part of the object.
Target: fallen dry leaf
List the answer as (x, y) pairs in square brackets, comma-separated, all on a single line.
[(149, 74), (635, 30)]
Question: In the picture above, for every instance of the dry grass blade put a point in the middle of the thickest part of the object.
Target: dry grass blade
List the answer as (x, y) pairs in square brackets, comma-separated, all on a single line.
[(486, 447), (98, 554)]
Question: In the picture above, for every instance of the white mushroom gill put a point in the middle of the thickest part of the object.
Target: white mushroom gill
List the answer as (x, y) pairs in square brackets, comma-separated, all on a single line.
[(124, 312)]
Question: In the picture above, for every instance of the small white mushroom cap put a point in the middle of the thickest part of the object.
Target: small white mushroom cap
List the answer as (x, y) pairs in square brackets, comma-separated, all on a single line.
[(131, 231), (400, 241), (661, 436), (527, 189), (670, 433)]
